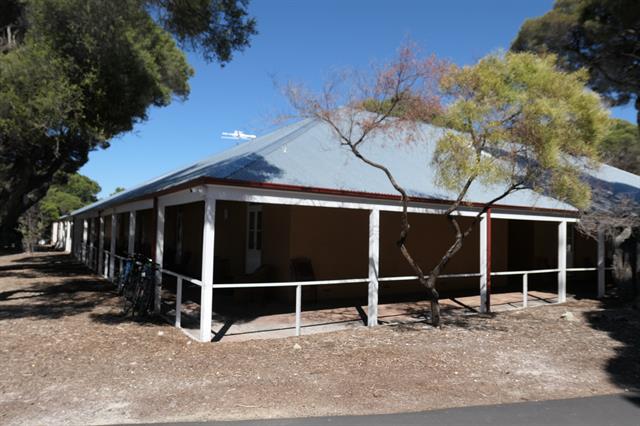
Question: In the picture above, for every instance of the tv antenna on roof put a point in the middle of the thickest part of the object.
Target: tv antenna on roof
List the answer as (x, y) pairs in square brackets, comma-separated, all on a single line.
[(238, 135)]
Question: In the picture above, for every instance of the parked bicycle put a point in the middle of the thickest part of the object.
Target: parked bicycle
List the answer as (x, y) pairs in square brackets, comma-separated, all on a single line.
[(138, 286)]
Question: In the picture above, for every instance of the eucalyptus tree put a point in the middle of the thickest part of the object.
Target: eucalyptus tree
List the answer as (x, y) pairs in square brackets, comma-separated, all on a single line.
[(74, 74)]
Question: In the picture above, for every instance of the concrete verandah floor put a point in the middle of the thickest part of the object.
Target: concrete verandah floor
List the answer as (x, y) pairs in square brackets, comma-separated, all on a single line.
[(277, 325)]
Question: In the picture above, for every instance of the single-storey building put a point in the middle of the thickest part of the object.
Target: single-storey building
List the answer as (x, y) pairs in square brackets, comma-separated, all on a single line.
[(294, 217)]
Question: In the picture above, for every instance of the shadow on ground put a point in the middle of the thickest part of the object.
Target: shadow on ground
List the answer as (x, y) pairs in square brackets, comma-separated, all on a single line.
[(78, 291), (622, 323)]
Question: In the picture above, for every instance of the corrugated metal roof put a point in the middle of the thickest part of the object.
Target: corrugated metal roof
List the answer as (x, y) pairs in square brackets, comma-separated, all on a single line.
[(308, 154)]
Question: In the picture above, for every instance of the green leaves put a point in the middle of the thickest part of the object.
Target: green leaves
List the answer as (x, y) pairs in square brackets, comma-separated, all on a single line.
[(599, 35), (81, 72), (214, 27), (518, 119), (621, 146), (65, 197)]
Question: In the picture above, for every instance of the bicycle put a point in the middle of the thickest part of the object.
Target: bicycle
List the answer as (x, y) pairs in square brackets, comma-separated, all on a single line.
[(139, 289)]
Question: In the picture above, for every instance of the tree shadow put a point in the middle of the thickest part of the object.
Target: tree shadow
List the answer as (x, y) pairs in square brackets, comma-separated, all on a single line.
[(47, 301), (79, 292), (58, 265), (621, 322)]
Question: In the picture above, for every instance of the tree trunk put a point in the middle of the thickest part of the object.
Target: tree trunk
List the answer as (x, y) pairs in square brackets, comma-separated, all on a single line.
[(623, 264), (22, 187)]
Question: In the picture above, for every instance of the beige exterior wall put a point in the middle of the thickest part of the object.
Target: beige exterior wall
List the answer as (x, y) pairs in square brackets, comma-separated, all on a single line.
[(230, 239), (107, 232), (336, 241), (276, 239), (429, 238), (144, 232), (122, 234), (184, 257)]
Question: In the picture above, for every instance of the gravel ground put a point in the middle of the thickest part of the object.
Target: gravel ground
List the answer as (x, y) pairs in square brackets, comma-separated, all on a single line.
[(69, 358)]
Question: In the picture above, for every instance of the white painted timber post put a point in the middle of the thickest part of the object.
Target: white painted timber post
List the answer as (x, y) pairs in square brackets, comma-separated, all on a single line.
[(68, 238), (562, 262), (75, 247), (483, 262), (92, 229), (85, 236), (298, 309), (132, 233), (374, 266), (601, 263), (179, 302), (101, 246), (112, 248), (54, 233), (60, 238), (525, 290), (208, 246), (159, 256)]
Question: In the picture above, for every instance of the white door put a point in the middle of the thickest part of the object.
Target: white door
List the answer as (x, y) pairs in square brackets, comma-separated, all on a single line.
[(254, 238)]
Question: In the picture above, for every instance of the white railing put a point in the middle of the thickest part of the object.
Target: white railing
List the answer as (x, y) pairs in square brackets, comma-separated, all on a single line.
[(299, 284), (525, 278), (120, 260), (415, 277), (106, 265), (180, 279)]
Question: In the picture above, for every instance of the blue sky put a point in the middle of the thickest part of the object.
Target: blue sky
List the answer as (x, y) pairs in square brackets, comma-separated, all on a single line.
[(301, 41)]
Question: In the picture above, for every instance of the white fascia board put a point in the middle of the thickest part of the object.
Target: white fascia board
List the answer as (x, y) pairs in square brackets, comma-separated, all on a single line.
[(132, 207), (310, 199), (186, 196), (271, 196)]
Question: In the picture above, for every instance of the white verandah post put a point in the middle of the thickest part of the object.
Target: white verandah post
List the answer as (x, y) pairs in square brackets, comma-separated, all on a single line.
[(562, 262), (601, 263), (159, 256), (483, 263), (92, 235), (60, 237), (85, 235), (208, 245), (112, 248), (374, 266), (132, 233), (101, 246), (76, 246), (54, 233), (67, 236)]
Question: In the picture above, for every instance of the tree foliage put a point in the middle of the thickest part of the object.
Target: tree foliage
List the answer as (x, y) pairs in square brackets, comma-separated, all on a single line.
[(76, 73), (66, 194), (118, 190), (602, 36), (512, 122), (521, 123), (69, 193), (621, 146)]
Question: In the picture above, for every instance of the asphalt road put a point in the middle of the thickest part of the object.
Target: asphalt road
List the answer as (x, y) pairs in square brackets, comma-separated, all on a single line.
[(620, 409)]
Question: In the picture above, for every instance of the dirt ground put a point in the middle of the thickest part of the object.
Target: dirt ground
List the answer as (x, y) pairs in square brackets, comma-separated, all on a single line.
[(67, 357)]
